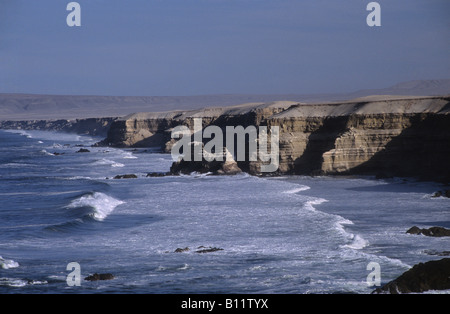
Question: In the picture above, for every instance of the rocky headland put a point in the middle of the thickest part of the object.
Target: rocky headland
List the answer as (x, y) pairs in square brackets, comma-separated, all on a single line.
[(381, 135), (385, 136), (432, 275)]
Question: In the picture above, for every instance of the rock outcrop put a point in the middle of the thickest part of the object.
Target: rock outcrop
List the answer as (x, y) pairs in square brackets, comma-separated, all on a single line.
[(433, 275), (383, 136), (126, 176), (445, 193), (96, 277), (430, 232), (201, 249)]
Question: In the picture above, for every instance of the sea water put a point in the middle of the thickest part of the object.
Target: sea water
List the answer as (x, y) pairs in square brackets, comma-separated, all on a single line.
[(289, 234)]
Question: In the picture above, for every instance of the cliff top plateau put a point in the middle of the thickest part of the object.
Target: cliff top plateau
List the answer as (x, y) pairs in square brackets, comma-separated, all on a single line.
[(14, 107)]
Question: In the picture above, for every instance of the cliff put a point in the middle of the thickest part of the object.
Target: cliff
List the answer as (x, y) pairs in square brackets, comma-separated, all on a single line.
[(378, 135)]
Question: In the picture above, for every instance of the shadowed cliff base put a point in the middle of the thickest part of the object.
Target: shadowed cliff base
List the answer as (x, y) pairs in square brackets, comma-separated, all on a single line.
[(421, 150), (319, 142)]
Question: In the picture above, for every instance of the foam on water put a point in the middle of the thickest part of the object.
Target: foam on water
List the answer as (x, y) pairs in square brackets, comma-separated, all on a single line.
[(357, 242), (315, 201), (8, 263), (102, 204), (46, 153), (19, 283), (108, 162), (296, 190)]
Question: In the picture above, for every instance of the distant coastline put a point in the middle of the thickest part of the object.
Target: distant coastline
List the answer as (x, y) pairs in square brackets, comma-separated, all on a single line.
[(385, 136), (382, 135)]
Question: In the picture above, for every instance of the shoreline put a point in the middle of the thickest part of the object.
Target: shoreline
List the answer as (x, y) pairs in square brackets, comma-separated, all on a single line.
[(290, 177)]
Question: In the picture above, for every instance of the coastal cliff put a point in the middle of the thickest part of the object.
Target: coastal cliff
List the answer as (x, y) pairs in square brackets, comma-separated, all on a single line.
[(379, 135)]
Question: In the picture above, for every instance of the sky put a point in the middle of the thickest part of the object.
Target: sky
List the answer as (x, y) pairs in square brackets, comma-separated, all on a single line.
[(203, 47)]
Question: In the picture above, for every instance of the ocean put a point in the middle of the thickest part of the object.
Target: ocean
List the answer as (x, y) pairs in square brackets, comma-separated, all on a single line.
[(277, 235)]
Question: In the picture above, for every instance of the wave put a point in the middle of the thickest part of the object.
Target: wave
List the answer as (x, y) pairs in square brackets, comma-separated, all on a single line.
[(296, 190), (106, 162), (128, 155), (316, 201), (8, 263), (46, 153), (18, 283), (101, 205), (357, 243)]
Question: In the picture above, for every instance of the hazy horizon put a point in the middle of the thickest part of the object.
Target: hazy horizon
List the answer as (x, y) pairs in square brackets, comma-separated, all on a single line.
[(219, 47)]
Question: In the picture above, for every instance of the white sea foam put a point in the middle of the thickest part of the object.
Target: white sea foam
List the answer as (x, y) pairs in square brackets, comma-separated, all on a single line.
[(316, 201), (296, 190), (11, 282), (102, 204), (8, 263), (128, 155), (109, 162), (18, 283), (46, 153), (357, 243)]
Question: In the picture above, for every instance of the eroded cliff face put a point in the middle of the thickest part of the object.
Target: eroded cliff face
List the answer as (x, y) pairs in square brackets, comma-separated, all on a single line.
[(390, 136)]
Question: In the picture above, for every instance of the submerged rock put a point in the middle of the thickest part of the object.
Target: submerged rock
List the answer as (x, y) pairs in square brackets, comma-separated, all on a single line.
[(180, 250), (200, 249), (445, 193), (126, 176), (430, 232), (83, 150), (437, 253), (207, 249), (433, 275), (96, 277), (158, 174)]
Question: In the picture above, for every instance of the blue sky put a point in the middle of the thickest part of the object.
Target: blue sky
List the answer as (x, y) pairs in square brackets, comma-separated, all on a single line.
[(193, 47)]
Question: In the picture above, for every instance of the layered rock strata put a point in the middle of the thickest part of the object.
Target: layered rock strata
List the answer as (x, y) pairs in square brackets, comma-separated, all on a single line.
[(384, 136)]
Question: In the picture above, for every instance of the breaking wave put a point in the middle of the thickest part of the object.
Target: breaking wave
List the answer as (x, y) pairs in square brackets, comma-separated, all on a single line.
[(101, 205), (8, 263), (106, 162)]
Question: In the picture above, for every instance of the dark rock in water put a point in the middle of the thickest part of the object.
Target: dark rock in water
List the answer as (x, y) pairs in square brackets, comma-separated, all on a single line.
[(96, 277), (207, 249), (433, 275), (445, 193), (158, 174), (430, 232), (83, 150), (126, 176), (414, 230), (437, 253), (200, 249), (180, 250)]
